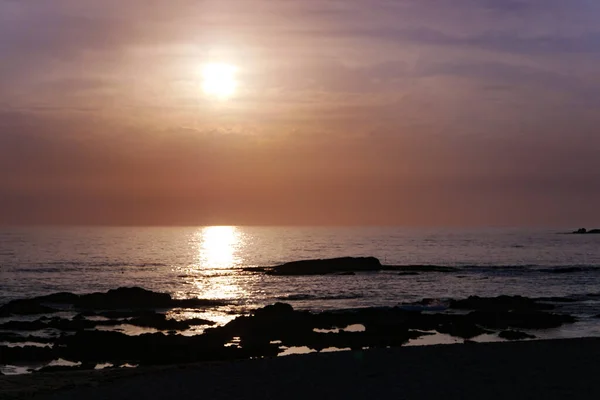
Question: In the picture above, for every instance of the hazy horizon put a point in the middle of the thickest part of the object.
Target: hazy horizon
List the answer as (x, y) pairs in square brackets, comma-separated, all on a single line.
[(405, 113)]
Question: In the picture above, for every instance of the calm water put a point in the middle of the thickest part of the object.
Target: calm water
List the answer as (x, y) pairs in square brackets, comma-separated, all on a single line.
[(204, 262)]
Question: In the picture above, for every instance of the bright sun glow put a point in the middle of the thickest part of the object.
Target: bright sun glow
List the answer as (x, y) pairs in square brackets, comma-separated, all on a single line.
[(218, 246), (218, 80)]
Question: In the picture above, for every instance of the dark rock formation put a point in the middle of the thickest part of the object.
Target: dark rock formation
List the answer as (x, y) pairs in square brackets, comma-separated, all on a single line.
[(134, 298), (160, 322), (24, 307), (500, 303), (462, 328), (519, 319), (328, 266), (146, 320), (63, 368), (11, 355), (263, 331), (15, 338), (515, 335), (564, 270), (583, 231)]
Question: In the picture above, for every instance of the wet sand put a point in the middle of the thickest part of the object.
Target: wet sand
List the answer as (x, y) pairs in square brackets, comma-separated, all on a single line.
[(552, 369)]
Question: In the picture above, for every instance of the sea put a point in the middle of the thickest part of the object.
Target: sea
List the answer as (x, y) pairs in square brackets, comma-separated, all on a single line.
[(215, 262)]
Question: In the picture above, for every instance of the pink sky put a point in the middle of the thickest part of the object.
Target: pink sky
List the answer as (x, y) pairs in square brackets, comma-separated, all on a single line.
[(347, 112)]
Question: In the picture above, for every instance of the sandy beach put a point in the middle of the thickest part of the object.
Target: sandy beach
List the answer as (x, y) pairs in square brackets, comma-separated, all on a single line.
[(553, 369)]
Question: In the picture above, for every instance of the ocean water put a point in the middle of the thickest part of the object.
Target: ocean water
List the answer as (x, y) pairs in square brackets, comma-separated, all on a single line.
[(216, 262), (206, 262)]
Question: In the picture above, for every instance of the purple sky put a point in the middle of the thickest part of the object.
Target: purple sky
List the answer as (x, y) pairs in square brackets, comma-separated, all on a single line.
[(407, 112)]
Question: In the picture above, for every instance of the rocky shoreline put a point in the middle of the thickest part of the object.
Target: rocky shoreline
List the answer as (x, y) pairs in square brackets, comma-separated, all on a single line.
[(263, 332), (539, 369)]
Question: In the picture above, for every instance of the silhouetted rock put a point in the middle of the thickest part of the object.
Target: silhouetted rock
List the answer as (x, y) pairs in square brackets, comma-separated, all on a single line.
[(500, 303), (146, 320), (15, 338), (564, 270), (120, 299), (461, 327), (11, 355), (157, 348), (160, 322), (328, 266), (557, 299), (583, 231), (61, 324), (515, 335), (133, 297), (263, 331), (63, 368), (24, 307), (519, 319)]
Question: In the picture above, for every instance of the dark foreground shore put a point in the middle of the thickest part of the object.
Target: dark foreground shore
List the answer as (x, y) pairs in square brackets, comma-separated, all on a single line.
[(553, 369)]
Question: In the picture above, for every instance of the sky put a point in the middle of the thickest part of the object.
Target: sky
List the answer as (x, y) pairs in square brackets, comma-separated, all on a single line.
[(353, 112)]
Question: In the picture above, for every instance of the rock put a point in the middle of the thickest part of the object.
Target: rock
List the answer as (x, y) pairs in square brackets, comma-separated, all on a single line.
[(64, 298), (515, 335), (61, 324), (15, 338), (583, 231), (24, 307), (383, 327), (408, 273), (119, 314), (120, 298), (462, 328), (426, 304), (160, 322), (146, 349), (519, 319), (12, 355), (500, 303), (65, 368), (117, 300), (328, 266), (564, 270)]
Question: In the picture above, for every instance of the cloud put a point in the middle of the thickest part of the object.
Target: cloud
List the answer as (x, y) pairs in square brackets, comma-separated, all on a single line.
[(387, 105)]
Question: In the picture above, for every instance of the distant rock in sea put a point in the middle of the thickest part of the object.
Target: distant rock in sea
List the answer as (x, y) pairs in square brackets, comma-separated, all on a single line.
[(328, 266), (583, 231), (349, 266)]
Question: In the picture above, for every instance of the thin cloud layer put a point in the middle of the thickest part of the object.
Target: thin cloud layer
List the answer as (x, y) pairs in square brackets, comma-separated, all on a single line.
[(470, 112)]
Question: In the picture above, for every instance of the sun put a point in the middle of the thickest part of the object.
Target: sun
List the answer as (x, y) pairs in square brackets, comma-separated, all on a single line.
[(218, 80)]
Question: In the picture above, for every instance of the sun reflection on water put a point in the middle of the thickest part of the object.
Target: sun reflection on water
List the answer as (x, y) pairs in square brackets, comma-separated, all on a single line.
[(213, 275), (218, 247)]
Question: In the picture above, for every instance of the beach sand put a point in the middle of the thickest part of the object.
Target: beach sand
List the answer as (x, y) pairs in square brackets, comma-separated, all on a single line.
[(552, 369)]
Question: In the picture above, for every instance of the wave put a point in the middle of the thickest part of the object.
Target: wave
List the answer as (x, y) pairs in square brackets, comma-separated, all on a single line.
[(303, 296), (570, 270), (56, 266), (486, 268)]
